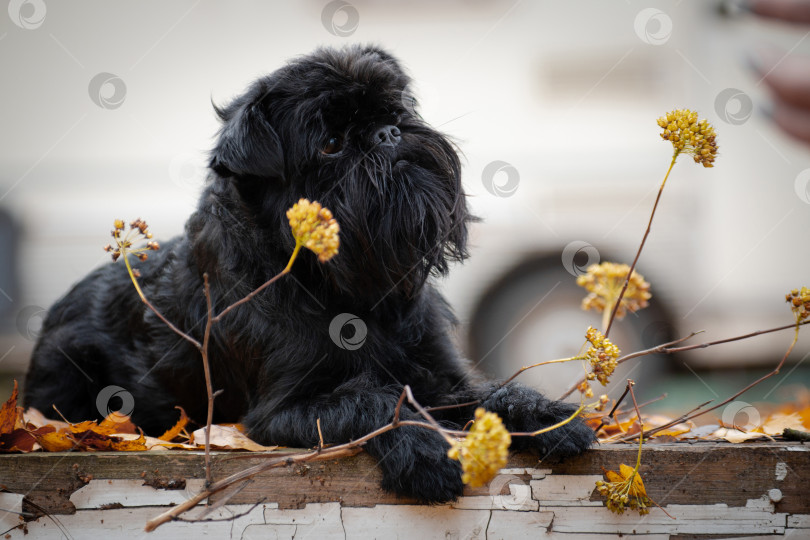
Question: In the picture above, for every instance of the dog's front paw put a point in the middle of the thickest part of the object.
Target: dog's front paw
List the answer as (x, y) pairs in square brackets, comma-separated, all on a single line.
[(414, 463), (525, 410)]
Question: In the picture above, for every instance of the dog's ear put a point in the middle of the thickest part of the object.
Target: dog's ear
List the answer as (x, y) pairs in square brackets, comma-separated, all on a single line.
[(248, 145)]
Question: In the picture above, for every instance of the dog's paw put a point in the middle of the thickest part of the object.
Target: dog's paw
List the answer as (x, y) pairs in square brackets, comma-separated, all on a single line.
[(414, 463), (525, 410)]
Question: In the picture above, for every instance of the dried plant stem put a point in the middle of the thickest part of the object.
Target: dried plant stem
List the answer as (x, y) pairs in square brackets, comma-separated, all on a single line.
[(630, 385), (691, 415), (263, 286), (606, 314), (209, 389), (625, 358), (154, 309), (319, 454), (549, 428), (640, 247), (524, 368), (203, 347), (174, 512), (669, 350)]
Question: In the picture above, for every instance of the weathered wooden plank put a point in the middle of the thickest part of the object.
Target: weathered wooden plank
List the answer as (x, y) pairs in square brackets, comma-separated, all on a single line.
[(693, 519), (408, 522), (701, 473), (129, 522)]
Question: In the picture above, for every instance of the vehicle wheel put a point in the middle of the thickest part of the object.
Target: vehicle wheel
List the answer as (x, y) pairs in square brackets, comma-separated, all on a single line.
[(533, 314)]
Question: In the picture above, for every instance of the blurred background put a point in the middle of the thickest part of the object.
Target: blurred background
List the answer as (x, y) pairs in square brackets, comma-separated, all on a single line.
[(107, 114)]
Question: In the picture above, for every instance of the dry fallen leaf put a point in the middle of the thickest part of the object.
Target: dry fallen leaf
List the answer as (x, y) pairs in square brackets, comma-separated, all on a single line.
[(10, 414), (228, 438), (173, 432), (56, 441), (129, 445), (776, 423), (773, 425)]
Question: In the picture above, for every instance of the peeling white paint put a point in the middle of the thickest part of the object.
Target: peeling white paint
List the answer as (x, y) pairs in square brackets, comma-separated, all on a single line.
[(567, 490), (781, 471), (552, 507), (10, 510), (131, 493)]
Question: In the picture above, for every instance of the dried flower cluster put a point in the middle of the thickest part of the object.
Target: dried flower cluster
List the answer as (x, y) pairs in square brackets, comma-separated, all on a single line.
[(799, 302), (690, 135), (314, 228), (484, 450), (624, 489), (603, 401), (602, 355), (604, 282), (138, 230)]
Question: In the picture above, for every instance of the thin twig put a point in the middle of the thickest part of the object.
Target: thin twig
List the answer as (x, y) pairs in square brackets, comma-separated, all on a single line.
[(209, 388), (453, 406), (634, 435), (614, 412), (549, 428), (320, 435), (261, 287), (432, 421), (640, 247), (347, 449), (657, 349), (229, 518), (736, 338), (222, 501), (538, 364), (154, 309), (689, 416), (175, 511)]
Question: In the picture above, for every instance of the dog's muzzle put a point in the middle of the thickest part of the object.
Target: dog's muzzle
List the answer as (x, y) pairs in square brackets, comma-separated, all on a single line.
[(386, 136)]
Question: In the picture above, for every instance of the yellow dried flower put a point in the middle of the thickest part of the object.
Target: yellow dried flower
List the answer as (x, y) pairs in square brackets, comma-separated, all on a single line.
[(604, 282), (799, 301), (585, 388), (314, 228), (602, 354), (624, 488), (484, 450), (603, 401), (138, 230), (690, 135)]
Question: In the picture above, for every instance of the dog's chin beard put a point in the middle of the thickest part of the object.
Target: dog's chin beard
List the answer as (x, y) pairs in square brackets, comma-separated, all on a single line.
[(402, 218)]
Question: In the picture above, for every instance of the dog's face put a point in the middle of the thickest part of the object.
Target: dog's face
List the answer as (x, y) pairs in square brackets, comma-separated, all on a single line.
[(336, 127)]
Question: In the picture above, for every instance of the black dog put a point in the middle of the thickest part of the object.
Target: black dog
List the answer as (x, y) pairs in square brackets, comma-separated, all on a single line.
[(333, 127)]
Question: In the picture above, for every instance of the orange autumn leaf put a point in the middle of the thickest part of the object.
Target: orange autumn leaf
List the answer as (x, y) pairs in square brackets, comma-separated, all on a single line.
[(637, 488), (137, 445), (178, 428), (81, 427), (113, 423), (56, 441), (116, 423), (10, 414), (613, 476)]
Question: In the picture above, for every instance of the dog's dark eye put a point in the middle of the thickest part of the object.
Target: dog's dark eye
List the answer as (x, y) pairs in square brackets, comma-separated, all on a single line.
[(332, 146)]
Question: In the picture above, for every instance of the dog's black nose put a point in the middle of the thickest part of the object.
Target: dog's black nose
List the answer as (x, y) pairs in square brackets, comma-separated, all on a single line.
[(386, 136)]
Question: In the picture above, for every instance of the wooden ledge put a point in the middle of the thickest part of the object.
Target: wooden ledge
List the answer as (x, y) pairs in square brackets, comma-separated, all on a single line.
[(759, 486)]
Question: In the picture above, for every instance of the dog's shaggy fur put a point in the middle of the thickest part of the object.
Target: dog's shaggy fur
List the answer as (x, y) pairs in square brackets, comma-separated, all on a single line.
[(331, 127)]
